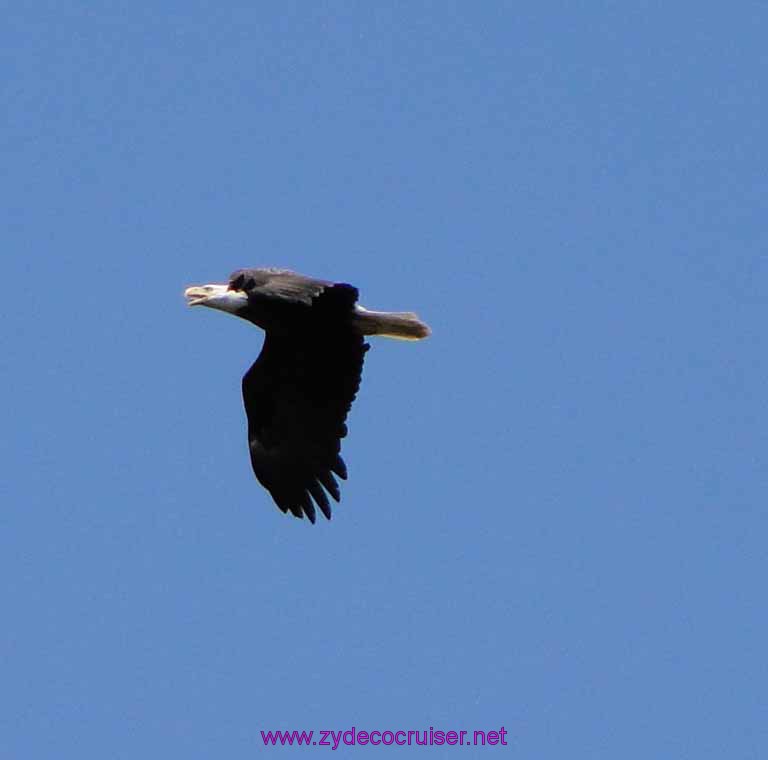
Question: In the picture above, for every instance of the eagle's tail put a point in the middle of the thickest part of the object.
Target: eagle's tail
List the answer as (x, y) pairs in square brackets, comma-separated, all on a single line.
[(404, 325)]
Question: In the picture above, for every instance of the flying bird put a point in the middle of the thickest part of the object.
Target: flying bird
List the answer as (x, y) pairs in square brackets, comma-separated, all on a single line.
[(300, 388)]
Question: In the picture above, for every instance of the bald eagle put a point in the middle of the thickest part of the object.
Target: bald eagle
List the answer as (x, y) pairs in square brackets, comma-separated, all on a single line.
[(300, 388)]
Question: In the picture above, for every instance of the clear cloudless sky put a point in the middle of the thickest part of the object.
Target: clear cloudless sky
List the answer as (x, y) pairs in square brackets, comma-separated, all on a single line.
[(555, 519)]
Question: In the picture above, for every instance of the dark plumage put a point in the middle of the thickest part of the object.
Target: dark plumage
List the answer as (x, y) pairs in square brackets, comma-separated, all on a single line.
[(297, 394)]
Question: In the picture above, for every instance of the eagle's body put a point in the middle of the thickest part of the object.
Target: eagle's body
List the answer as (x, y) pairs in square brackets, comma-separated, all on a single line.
[(298, 392)]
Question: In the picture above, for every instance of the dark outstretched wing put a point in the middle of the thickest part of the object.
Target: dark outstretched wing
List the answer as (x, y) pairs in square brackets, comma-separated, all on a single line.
[(297, 395), (281, 285)]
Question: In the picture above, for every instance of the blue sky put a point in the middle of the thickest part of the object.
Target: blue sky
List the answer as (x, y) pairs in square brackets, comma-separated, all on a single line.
[(555, 519)]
